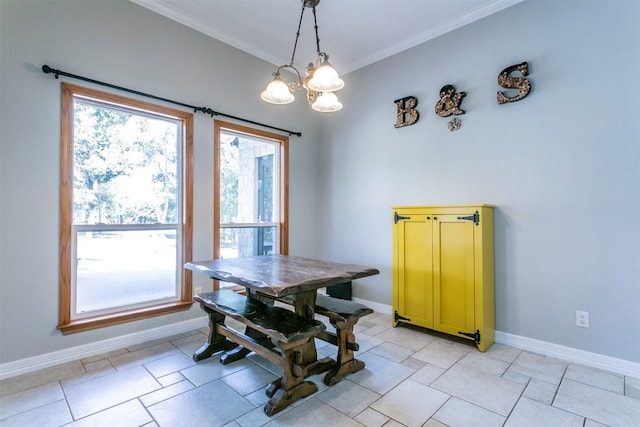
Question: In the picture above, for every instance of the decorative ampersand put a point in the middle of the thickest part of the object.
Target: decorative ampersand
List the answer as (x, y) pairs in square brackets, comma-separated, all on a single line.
[(449, 101)]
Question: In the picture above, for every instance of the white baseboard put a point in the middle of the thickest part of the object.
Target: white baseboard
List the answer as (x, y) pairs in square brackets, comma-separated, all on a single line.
[(377, 307), (35, 363), (595, 360)]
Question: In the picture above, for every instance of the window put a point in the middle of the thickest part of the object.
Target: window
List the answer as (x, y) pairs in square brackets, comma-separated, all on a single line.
[(125, 209), (251, 192)]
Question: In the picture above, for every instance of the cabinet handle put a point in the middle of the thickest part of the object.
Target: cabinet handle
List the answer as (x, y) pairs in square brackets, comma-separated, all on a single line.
[(435, 218)]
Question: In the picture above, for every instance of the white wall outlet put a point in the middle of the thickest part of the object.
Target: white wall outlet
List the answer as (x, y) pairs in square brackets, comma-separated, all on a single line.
[(197, 291), (582, 319)]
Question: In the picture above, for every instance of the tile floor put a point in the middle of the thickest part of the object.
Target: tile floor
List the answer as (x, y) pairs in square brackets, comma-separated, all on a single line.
[(412, 378)]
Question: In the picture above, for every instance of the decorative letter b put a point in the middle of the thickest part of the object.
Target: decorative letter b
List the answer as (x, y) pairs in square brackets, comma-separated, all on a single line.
[(406, 107)]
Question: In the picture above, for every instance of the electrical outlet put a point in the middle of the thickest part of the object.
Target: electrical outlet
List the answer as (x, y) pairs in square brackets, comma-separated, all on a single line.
[(582, 319), (197, 291)]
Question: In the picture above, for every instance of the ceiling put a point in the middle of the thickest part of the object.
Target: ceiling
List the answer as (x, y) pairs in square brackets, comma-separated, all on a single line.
[(354, 33)]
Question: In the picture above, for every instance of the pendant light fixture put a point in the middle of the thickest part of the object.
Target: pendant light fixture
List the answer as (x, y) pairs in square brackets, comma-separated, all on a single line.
[(321, 80)]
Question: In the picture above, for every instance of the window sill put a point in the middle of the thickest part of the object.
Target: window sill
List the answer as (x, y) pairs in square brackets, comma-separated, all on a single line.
[(90, 323)]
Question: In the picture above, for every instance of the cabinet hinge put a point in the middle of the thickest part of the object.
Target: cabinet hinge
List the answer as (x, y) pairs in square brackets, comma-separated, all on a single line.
[(475, 218), (474, 335), (397, 317), (397, 217)]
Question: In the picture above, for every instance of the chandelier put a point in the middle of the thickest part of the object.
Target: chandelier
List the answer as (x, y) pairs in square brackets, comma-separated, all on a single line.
[(321, 79)]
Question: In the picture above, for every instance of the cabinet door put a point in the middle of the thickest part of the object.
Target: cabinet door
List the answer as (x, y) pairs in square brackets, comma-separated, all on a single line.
[(414, 270), (453, 263)]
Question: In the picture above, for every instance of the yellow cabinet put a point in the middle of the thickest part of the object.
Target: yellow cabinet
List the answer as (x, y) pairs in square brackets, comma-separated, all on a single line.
[(443, 270)]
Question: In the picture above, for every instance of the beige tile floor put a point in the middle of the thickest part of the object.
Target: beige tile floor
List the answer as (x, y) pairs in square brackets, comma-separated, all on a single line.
[(412, 378)]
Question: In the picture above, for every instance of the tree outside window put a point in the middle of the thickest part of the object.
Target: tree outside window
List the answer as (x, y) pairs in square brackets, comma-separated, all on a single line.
[(125, 209)]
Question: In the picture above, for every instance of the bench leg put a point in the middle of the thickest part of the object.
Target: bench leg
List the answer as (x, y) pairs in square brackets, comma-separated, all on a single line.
[(291, 387), (346, 363), (215, 342)]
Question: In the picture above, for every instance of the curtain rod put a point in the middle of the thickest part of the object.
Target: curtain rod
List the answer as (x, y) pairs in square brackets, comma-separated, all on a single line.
[(48, 70)]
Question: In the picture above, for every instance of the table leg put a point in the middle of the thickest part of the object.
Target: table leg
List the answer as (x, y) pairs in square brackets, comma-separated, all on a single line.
[(304, 305), (290, 387)]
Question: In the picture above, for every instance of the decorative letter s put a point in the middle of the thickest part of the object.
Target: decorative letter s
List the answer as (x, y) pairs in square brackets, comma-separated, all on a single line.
[(523, 85), (406, 106)]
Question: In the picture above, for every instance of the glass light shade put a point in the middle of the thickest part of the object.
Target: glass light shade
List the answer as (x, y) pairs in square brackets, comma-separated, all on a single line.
[(277, 92), (327, 102), (325, 79)]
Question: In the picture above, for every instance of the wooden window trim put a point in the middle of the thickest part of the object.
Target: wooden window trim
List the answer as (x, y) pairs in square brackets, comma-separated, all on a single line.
[(66, 324), (283, 142)]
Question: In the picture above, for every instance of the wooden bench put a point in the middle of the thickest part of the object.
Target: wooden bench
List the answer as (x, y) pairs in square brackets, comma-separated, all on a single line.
[(274, 333), (343, 316)]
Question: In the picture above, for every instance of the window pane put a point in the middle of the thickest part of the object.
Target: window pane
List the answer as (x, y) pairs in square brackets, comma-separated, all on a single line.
[(124, 268), (249, 241), (125, 167), (248, 190), (251, 192)]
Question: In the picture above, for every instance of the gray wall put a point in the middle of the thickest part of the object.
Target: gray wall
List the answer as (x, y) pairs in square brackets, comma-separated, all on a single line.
[(125, 44), (562, 165)]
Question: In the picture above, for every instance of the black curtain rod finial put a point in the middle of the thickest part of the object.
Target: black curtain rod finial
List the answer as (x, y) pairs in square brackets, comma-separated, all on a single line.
[(48, 70)]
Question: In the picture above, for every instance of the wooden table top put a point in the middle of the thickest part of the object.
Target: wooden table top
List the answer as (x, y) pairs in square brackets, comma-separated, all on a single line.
[(280, 275)]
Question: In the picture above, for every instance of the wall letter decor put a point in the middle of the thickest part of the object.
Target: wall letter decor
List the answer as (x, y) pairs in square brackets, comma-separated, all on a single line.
[(406, 109), (449, 101), (523, 85)]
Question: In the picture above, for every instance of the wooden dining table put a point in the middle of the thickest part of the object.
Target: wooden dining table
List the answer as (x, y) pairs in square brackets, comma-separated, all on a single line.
[(278, 276)]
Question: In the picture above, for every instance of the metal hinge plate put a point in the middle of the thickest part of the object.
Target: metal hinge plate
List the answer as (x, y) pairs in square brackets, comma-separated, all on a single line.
[(397, 217), (473, 335), (475, 218), (397, 317)]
